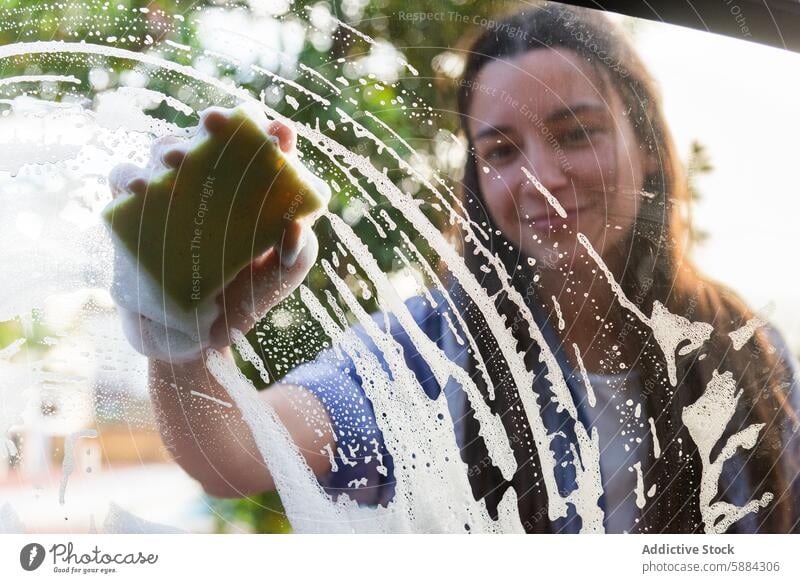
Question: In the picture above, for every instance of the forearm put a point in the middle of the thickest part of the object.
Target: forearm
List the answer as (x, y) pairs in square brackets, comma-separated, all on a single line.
[(211, 441)]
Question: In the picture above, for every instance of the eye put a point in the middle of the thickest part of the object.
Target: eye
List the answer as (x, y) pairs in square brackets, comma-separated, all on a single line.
[(579, 136), (499, 153)]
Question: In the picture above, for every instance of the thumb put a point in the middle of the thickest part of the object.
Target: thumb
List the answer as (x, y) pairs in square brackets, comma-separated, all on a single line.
[(127, 179), (263, 284)]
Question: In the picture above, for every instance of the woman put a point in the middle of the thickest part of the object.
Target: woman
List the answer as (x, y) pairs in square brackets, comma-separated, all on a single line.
[(582, 112), (566, 137)]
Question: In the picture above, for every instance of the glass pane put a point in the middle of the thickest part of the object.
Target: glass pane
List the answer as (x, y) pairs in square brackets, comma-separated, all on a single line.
[(525, 270)]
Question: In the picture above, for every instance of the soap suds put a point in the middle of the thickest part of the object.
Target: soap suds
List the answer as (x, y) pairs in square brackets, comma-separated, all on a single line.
[(640, 499), (706, 421), (210, 398), (585, 376), (546, 193), (560, 316), (654, 436), (669, 330), (40, 79), (9, 521), (740, 336), (68, 463)]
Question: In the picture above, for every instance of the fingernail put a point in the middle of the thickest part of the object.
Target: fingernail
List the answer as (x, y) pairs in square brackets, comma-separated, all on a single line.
[(214, 119), (173, 158), (289, 256), (137, 186)]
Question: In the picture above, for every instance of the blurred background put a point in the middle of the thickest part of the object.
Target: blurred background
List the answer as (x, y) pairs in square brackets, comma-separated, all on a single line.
[(65, 368)]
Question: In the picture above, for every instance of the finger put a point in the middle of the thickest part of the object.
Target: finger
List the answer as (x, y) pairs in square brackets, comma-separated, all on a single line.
[(127, 178), (287, 137), (173, 156), (259, 287), (214, 118), (158, 149), (291, 243)]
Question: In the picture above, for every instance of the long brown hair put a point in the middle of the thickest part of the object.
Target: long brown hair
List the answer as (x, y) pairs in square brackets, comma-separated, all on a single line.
[(657, 268)]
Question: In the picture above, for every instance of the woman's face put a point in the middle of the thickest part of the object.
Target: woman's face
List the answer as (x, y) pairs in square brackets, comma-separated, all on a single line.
[(545, 110)]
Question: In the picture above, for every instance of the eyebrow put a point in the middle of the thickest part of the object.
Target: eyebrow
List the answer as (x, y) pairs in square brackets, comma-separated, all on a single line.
[(574, 110), (492, 131), (558, 115)]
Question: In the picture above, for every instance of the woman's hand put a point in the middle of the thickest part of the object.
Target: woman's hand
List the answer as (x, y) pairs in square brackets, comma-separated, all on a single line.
[(270, 278)]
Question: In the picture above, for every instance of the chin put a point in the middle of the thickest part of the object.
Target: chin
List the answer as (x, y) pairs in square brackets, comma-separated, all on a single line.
[(562, 258)]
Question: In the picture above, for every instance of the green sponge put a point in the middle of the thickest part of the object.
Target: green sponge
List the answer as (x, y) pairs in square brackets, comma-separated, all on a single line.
[(198, 225)]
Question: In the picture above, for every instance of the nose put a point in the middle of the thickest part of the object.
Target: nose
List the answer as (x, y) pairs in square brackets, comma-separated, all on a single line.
[(542, 160)]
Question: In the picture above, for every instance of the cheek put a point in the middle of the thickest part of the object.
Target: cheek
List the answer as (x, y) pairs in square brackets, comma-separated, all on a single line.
[(629, 183), (623, 210), (594, 166), (498, 197), (610, 175)]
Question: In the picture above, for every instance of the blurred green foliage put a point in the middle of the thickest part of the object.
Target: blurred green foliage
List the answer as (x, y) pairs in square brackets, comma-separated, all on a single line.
[(698, 165), (260, 514)]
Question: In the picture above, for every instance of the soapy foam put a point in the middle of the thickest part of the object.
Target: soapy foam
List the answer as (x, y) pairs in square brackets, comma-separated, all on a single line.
[(545, 193), (706, 420), (559, 315), (669, 330), (120, 521), (654, 436), (68, 463), (9, 521), (741, 335), (640, 499), (590, 396)]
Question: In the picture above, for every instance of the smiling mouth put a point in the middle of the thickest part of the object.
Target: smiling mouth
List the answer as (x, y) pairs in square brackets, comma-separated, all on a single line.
[(552, 218)]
